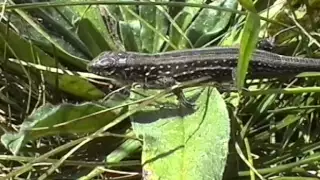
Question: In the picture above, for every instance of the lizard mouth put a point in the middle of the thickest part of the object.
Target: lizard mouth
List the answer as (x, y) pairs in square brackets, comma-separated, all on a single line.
[(101, 71)]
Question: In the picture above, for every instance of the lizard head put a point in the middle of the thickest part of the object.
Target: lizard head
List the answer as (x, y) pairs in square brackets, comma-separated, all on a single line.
[(117, 65), (108, 62)]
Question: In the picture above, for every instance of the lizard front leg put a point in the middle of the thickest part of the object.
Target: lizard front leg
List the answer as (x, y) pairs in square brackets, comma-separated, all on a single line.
[(166, 82)]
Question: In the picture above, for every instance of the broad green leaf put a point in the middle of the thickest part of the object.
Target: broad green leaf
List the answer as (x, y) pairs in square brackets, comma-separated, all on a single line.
[(64, 30), (51, 120), (209, 23), (49, 37), (154, 16), (60, 26), (182, 143), (24, 50)]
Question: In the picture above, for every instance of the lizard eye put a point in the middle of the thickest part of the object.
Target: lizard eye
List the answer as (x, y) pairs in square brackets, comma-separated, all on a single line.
[(121, 58)]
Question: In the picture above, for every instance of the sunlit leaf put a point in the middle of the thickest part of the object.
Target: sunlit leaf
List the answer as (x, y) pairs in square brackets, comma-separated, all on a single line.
[(58, 120), (181, 143)]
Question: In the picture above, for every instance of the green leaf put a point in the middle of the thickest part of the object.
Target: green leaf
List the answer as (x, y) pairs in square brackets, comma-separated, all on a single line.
[(129, 26), (181, 143), (154, 16), (91, 37), (130, 34), (93, 15), (50, 38), (58, 120), (183, 19), (63, 36), (209, 23), (249, 40), (26, 51)]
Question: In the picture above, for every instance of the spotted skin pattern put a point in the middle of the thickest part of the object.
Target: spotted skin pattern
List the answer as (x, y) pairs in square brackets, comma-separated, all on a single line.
[(165, 69)]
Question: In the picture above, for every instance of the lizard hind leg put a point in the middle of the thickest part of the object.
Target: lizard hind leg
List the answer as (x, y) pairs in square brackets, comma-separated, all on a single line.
[(229, 86)]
